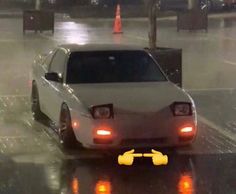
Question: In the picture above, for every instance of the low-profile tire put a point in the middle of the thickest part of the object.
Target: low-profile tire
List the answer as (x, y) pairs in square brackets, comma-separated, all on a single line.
[(66, 133), (35, 104)]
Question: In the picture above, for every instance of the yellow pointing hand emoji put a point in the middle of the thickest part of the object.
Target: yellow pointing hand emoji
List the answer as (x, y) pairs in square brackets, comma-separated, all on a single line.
[(157, 158), (128, 158)]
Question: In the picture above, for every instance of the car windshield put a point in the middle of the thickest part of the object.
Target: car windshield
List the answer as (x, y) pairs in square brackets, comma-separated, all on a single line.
[(112, 66)]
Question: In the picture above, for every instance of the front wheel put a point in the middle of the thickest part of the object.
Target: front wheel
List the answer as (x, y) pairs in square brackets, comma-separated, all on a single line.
[(66, 133)]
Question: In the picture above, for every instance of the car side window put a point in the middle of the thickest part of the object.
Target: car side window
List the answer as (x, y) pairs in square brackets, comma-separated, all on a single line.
[(58, 62)]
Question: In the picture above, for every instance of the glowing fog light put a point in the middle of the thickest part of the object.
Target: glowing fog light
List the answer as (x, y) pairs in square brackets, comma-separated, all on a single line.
[(103, 132)]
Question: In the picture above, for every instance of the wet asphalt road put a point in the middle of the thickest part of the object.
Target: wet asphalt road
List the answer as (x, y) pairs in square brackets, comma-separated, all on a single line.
[(31, 159)]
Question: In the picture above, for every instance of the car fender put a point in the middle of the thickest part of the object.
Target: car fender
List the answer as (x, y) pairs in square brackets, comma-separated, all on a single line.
[(81, 119)]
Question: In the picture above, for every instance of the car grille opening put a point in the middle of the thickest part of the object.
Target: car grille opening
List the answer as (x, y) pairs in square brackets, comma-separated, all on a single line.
[(162, 140)]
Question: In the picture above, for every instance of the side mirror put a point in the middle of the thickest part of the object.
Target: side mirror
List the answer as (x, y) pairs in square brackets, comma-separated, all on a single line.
[(52, 76)]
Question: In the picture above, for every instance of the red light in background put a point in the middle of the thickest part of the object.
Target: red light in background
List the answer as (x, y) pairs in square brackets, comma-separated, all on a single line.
[(185, 185), (103, 187)]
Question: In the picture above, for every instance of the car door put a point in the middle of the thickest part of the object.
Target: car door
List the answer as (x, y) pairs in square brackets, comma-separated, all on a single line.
[(53, 91)]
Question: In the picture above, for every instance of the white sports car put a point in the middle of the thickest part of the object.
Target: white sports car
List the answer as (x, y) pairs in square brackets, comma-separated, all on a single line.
[(107, 96)]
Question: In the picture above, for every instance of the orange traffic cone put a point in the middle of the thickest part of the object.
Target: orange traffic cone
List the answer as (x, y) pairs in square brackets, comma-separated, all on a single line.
[(117, 29)]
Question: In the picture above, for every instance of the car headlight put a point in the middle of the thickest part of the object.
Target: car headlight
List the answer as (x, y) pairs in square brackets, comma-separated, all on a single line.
[(102, 111), (182, 109)]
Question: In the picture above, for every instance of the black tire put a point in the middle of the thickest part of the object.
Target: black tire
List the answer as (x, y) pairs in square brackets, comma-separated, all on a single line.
[(66, 133), (35, 104)]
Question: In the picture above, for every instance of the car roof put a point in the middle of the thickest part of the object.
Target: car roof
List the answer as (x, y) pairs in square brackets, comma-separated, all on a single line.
[(99, 47)]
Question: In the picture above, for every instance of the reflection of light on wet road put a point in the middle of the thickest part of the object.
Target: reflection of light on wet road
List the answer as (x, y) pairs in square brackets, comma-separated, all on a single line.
[(52, 176), (70, 33), (103, 187), (69, 26), (75, 33), (229, 62), (75, 186), (117, 39), (185, 184)]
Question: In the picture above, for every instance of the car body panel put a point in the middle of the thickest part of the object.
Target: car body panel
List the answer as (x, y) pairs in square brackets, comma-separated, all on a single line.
[(150, 96)]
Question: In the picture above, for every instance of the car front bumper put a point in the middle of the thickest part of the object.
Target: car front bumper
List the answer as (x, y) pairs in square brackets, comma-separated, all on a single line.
[(136, 131)]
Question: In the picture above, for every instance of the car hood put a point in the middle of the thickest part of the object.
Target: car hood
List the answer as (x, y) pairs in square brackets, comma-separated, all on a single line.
[(132, 97)]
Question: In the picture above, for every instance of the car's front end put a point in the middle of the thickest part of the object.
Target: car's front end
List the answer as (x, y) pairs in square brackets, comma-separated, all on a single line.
[(127, 101), (144, 121)]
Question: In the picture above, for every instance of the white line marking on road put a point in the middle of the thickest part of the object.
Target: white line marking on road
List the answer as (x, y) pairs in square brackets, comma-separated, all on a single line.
[(13, 137), (19, 40), (221, 144), (46, 133), (47, 37), (13, 95), (215, 145), (53, 38), (208, 89), (229, 135), (136, 37), (28, 123), (230, 62), (216, 140), (226, 140)]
